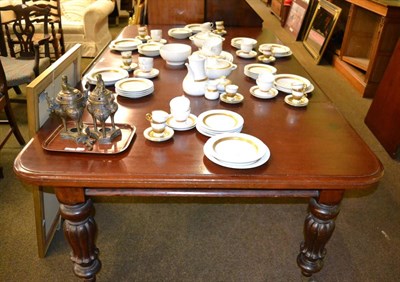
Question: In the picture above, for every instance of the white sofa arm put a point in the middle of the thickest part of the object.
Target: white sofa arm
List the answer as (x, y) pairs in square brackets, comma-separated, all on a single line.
[(96, 13)]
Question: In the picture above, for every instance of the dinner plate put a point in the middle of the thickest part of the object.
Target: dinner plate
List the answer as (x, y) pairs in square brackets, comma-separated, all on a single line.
[(253, 70), (125, 44), (235, 42), (220, 121), (195, 27), (209, 133), (109, 75), (180, 33), (277, 49), (284, 81), (237, 148), (208, 152), (134, 84)]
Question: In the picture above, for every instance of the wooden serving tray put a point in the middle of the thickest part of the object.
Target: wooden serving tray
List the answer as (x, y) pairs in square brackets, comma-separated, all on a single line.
[(57, 144)]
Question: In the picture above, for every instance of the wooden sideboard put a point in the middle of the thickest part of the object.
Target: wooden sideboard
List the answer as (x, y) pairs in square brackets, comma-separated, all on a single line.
[(370, 37), (233, 13)]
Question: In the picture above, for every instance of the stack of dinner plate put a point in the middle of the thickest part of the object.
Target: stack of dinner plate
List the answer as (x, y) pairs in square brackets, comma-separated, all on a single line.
[(134, 87), (125, 44), (253, 70), (214, 122), (236, 150), (283, 82), (109, 75)]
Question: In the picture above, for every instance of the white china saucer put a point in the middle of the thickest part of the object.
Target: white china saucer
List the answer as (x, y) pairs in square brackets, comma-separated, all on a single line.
[(245, 55), (238, 98), (143, 39), (166, 135), (256, 92), (296, 103), (162, 41), (284, 54), (151, 74), (182, 126), (222, 32), (130, 68), (263, 59)]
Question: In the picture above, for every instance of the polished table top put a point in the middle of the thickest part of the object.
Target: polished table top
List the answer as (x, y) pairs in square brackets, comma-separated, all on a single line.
[(311, 148), (314, 153)]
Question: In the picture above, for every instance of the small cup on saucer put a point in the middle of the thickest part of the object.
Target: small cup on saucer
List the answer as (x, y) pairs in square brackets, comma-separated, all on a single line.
[(211, 92), (180, 108), (265, 81), (298, 89), (246, 46), (231, 90), (156, 35), (146, 64), (158, 119), (142, 31), (219, 26), (126, 59)]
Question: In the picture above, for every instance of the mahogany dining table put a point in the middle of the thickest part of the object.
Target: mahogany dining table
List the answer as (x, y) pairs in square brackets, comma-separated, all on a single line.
[(315, 154)]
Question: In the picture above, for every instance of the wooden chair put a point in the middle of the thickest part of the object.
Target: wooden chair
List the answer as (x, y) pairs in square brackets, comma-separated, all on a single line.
[(6, 106), (54, 20), (24, 62)]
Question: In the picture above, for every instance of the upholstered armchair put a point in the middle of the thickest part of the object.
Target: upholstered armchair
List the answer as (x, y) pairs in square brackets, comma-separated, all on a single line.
[(86, 22)]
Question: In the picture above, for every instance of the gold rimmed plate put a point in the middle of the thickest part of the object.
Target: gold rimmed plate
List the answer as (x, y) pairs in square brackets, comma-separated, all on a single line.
[(285, 81), (134, 84), (220, 121), (253, 70), (222, 154), (125, 44), (109, 75), (238, 148)]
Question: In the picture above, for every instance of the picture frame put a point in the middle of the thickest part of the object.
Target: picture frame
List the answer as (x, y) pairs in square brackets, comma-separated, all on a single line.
[(321, 28), (296, 17), (46, 206)]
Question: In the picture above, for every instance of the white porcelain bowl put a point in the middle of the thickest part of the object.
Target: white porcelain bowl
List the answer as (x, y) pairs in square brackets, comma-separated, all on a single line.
[(219, 68), (175, 54), (180, 33), (199, 38)]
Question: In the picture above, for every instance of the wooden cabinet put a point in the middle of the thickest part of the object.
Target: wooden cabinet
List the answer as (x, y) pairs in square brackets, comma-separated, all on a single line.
[(369, 39), (276, 8)]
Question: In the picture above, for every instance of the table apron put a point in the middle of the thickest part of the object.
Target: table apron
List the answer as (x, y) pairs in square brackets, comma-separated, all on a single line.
[(245, 193)]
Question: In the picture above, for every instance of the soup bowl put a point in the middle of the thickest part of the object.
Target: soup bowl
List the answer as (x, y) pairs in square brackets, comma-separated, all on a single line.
[(175, 54)]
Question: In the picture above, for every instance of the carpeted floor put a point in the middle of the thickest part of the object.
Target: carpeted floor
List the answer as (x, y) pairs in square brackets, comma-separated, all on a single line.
[(161, 239)]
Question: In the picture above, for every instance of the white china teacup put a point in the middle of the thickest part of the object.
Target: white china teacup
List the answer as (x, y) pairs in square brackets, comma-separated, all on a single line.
[(180, 115), (207, 26), (180, 103), (264, 85), (231, 90), (126, 58), (158, 119), (298, 89), (212, 46), (146, 64), (142, 31), (156, 35), (246, 46), (211, 92)]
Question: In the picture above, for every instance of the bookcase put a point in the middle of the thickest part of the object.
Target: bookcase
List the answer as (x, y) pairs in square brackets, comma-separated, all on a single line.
[(369, 39)]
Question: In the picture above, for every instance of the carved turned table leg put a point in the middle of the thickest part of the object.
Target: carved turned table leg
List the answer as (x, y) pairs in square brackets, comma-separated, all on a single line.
[(80, 231), (318, 228)]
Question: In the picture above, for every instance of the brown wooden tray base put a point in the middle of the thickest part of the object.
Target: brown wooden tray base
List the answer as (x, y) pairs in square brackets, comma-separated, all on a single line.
[(56, 143)]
